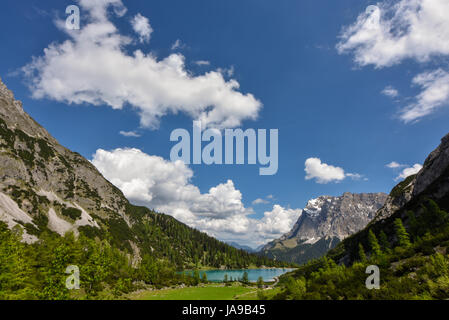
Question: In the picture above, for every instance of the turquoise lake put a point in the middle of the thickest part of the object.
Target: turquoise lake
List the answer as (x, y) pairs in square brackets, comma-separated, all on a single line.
[(253, 274)]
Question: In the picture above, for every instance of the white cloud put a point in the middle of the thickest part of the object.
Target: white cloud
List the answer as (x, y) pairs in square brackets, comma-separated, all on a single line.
[(409, 171), (406, 29), (93, 67), (434, 94), (165, 186), (394, 165), (391, 92), (322, 172), (130, 134), (177, 45), (267, 200), (229, 72), (202, 63), (142, 27), (260, 201), (278, 221)]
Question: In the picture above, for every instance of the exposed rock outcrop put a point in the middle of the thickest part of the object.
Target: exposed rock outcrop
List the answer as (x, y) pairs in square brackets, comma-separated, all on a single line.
[(324, 222)]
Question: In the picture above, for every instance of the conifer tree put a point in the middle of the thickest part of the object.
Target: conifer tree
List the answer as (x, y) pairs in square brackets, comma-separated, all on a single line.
[(260, 282), (245, 278), (403, 236), (384, 241), (374, 244), (362, 255)]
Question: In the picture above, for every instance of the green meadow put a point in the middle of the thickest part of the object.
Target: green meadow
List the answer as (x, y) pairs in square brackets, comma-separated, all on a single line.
[(205, 292)]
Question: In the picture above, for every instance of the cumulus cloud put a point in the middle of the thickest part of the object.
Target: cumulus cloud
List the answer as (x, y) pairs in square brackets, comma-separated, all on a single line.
[(409, 171), (392, 32), (260, 201), (394, 165), (391, 92), (385, 35), (93, 66), (142, 27), (130, 134), (166, 187), (278, 221), (434, 94), (324, 173)]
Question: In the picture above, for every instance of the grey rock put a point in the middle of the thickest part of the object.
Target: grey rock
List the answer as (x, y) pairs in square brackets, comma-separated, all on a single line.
[(434, 167), (329, 217)]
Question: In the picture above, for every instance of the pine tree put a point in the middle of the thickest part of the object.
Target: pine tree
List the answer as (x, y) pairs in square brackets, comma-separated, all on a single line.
[(384, 241), (245, 278), (196, 277), (362, 255), (260, 282), (403, 236), (204, 277), (374, 244)]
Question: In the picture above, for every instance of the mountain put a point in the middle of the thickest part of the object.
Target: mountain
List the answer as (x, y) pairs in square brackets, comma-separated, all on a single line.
[(412, 196), (324, 222), (242, 247), (47, 189), (408, 241)]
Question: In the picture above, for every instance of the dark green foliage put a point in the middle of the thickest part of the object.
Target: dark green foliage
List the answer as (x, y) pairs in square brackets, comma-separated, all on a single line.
[(162, 235), (245, 279), (260, 283), (92, 232), (73, 213), (37, 271), (401, 187), (45, 151), (362, 255), (120, 233), (374, 244), (409, 270), (401, 233)]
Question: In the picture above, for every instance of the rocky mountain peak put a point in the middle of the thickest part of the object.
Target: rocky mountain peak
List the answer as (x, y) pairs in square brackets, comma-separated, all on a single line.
[(324, 222), (329, 216), (434, 167), (431, 179), (39, 177)]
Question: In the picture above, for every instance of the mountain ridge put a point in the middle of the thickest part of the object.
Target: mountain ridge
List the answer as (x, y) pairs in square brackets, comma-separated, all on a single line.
[(324, 222)]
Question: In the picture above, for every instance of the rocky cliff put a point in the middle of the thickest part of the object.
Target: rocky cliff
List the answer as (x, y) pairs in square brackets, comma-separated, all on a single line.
[(324, 222)]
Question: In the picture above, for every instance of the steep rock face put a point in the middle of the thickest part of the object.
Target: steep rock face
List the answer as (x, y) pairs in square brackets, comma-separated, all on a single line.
[(324, 222), (432, 179), (411, 195), (45, 179), (398, 197), (435, 170)]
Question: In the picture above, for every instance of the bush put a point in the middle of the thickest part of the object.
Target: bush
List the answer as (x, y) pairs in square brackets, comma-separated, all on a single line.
[(73, 213)]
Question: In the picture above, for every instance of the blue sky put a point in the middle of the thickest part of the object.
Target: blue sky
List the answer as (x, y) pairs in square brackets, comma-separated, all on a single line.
[(327, 103)]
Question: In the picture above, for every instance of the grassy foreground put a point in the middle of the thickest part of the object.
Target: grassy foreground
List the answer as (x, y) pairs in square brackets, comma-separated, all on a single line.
[(206, 292)]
